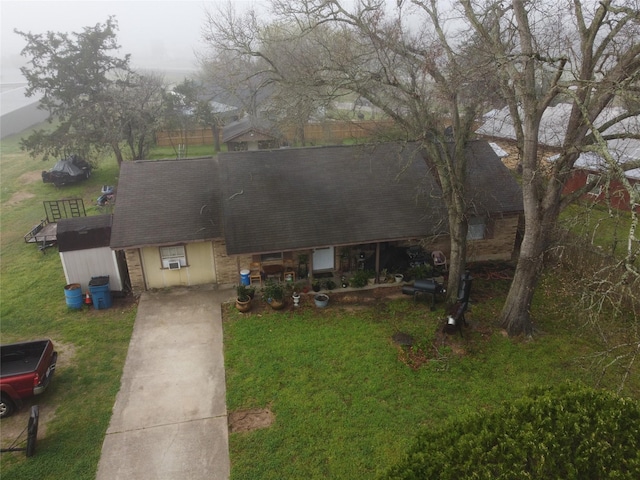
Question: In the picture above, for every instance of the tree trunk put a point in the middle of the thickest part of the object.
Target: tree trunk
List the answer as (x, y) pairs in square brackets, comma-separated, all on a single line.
[(457, 258), (118, 153)]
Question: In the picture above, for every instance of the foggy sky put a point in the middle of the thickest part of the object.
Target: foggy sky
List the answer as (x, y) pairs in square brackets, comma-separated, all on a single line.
[(157, 34)]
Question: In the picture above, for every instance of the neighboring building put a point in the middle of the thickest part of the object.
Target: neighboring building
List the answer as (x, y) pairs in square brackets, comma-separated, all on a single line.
[(198, 221), (589, 168), (250, 133), (498, 125)]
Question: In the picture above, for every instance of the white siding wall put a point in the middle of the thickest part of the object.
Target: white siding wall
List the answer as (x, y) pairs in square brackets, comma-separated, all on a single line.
[(79, 266)]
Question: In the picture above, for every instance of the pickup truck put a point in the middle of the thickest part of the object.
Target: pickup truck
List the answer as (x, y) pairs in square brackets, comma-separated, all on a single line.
[(26, 369)]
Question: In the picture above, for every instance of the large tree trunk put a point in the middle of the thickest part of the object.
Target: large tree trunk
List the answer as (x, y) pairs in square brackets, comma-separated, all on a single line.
[(516, 312), (457, 259)]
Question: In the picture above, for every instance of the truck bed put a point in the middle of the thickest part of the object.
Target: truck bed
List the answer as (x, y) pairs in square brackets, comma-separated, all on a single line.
[(21, 358)]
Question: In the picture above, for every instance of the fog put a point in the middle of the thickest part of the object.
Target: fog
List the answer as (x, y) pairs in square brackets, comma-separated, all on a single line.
[(159, 35)]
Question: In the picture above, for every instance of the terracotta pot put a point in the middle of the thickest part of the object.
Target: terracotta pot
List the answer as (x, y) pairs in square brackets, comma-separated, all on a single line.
[(243, 306), (276, 304)]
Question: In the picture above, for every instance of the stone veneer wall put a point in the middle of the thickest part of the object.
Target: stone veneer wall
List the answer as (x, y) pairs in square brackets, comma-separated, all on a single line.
[(136, 275)]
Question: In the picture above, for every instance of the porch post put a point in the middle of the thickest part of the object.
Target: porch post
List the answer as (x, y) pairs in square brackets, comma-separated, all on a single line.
[(378, 262)]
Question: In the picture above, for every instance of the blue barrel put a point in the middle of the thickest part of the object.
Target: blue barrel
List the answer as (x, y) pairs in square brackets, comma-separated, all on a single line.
[(100, 293), (73, 295), (244, 277)]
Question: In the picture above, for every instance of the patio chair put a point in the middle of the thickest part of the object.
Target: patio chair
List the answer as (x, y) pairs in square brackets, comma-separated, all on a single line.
[(439, 260), (255, 273)]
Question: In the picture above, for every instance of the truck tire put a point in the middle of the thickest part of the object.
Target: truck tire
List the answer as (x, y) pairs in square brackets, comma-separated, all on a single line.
[(6, 406)]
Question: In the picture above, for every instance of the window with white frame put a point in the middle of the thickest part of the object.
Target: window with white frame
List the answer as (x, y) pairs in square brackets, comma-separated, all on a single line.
[(597, 189), (477, 228), (173, 257)]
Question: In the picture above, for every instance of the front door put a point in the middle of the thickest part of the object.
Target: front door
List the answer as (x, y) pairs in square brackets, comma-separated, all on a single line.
[(323, 259)]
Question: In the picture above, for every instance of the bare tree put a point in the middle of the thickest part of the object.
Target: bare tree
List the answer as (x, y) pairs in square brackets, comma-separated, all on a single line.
[(412, 74), (543, 51)]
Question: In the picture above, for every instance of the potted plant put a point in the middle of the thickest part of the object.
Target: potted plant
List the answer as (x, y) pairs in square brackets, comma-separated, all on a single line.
[(359, 279), (243, 298), (330, 284), (273, 293), (321, 300), (316, 285)]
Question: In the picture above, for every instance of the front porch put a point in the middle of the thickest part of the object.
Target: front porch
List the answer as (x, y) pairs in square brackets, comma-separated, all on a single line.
[(347, 266)]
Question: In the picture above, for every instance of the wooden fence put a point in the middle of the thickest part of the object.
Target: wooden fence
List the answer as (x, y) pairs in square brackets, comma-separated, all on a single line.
[(314, 133)]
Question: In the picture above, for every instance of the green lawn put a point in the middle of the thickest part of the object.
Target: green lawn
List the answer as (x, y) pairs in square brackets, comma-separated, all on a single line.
[(346, 405), (604, 228), (92, 344)]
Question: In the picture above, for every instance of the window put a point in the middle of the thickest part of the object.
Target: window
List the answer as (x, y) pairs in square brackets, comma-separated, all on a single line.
[(477, 228), (173, 257), (271, 257), (592, 177)]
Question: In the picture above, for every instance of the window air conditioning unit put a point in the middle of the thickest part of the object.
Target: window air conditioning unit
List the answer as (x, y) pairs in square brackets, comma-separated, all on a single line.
[(174, 265)]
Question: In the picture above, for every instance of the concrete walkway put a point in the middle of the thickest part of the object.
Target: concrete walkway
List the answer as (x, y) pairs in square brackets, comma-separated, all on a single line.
[(170, 418)]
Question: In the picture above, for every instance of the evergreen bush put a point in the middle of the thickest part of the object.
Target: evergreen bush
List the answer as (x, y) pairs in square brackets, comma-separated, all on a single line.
[(567, 432)]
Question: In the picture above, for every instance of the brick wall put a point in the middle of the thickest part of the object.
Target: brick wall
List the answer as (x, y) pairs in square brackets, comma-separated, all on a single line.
[(228, 267), (501, 244), (136, 275)]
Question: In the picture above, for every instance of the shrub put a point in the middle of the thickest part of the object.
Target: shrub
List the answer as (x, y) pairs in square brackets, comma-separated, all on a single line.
[(243, 293), (567, 432), (273, 290), (359, 279)]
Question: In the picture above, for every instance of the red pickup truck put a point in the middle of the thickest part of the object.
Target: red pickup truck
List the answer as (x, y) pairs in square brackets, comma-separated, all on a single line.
[(25, 370)]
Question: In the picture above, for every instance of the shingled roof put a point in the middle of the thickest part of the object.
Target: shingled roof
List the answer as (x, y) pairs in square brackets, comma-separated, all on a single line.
[(165, 202), (247, 125), (288, 199)]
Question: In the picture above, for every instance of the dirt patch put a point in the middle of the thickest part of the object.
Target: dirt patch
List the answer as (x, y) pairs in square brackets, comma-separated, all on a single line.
[(18, 197), (30, 177), (251, 419)]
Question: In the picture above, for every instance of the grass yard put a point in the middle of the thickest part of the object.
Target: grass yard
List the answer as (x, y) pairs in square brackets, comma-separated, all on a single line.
[(92, 344), (345, 400)]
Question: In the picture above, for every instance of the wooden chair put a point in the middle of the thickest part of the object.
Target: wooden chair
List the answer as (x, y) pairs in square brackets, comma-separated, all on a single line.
[(289, 271), (255, 273)]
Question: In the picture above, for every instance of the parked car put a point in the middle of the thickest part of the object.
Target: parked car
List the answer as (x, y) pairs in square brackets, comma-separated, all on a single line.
[(26, 370), (68, 170)]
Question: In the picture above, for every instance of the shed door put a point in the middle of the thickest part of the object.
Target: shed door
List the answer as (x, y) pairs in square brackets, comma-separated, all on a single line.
[(323, 259)]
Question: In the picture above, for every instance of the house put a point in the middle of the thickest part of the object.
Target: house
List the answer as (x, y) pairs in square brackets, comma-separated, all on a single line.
[(187, 222), (589, 166), (83, 243), (250, 133)]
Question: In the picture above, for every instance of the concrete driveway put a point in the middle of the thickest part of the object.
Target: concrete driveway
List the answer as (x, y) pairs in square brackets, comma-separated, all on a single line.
[(170, 417)]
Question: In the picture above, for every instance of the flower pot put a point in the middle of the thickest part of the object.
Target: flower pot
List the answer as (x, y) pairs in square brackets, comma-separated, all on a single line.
[(243, 306), (296, 299), (276, 304), (321, 300), (398, 277)]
